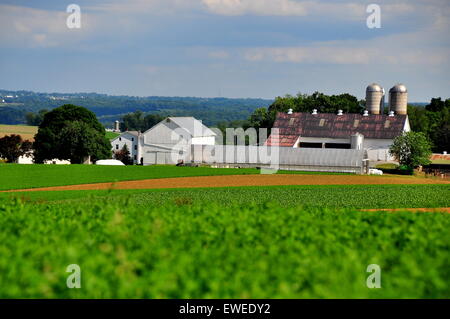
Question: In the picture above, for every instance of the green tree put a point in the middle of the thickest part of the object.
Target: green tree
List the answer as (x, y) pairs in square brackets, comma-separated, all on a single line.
[(138, 121), (12, 147), (434, 121), (77, 140), (71, 132), (411, 149), (35, 119)]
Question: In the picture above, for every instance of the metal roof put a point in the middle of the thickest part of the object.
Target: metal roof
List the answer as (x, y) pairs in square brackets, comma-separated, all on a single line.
[(329, 125), (193, 126), (374, 87), (399, 88)]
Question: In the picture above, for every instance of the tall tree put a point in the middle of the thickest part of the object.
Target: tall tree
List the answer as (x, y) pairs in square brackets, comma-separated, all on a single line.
[(71, 132), (12, 147), (411, 149)]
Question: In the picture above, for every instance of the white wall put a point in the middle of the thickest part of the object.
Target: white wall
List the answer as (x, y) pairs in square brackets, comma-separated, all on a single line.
[(204, 140), (130, 141)]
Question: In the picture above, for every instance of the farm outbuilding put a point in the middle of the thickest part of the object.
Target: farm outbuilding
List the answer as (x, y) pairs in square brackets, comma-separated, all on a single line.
[(373, 133), (165, 143)]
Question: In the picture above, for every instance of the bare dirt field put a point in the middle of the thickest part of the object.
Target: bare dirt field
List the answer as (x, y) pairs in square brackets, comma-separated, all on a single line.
[(27, 132), (246, 180)]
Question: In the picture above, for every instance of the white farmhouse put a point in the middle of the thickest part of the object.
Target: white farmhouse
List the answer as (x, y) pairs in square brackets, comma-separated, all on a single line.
[(166, 142)]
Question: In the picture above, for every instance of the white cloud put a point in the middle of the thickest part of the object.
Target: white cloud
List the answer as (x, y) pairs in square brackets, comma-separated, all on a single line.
[(256, 7), (346, 55), (30, 27)]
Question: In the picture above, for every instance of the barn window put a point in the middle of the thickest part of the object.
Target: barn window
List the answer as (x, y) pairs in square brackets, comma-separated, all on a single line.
[(120, 139), (132, 139), (135, 158), (322, 122), (338, 145), (135, 147), (291, 122), (387, 124), (310, 145), (356, 123), (117, 146)]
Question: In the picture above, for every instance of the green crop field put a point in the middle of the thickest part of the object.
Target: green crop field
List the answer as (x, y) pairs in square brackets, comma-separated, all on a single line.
[(13, 176), (233, 242), (212, 251), (333, 196)]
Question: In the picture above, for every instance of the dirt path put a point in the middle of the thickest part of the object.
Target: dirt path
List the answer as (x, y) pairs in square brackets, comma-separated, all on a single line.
[(244, 180)]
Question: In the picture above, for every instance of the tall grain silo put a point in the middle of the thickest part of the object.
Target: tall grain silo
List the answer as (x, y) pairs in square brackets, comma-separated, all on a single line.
[(398, 99), (374, 98)]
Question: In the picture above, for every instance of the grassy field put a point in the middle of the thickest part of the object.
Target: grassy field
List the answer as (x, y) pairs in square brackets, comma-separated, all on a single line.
[(27, 132), (335, 196), (14, 176), (212, 251), (111, 135)]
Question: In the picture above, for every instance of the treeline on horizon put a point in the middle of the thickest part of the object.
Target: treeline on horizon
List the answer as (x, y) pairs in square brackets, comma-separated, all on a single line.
[(432, 119), (111, 108)]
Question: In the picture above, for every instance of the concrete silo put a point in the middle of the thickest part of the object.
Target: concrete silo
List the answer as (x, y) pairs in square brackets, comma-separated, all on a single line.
[(374, 98), (398, 99)]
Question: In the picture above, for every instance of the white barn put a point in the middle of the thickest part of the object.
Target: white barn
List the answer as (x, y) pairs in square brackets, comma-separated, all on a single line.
[(166, 142), (373, 133)]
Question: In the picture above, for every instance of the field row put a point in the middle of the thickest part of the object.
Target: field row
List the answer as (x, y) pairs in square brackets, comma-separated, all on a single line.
[(338, 196)]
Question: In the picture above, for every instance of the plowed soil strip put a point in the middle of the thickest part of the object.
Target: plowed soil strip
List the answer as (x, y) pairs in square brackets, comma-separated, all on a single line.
[(412, 210), (243, 180)]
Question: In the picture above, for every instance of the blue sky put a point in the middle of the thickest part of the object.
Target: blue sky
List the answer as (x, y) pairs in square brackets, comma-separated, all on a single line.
[(231, 48)]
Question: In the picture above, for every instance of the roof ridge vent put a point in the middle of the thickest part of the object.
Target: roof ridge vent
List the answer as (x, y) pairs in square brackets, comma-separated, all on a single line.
[(366, 113), (340, 112), (391, 113), (314, 112), (290, 111)]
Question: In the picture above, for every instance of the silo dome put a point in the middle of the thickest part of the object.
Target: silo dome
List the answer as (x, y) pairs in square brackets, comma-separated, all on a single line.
[(399, 88), (374, 98), (398, 99), (374, 87)]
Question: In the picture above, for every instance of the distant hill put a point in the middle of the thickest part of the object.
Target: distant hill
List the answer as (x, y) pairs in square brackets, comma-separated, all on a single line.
[(108, 108)]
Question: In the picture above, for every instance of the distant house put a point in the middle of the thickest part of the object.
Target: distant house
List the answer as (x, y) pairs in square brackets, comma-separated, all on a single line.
[(166, 142), (372, 132)]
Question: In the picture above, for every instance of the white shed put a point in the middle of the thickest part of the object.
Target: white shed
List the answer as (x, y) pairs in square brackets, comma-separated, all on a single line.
[(166, 142)]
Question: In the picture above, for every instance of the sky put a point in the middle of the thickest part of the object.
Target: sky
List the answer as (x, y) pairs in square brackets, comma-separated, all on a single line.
[(225, 48)]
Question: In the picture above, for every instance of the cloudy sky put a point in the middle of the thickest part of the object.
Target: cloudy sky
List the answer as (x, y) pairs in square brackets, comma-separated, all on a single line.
[(230, 48)]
